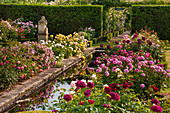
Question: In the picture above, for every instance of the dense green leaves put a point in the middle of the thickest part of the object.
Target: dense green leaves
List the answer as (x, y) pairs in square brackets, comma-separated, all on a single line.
[(154, 17), (61, 19)]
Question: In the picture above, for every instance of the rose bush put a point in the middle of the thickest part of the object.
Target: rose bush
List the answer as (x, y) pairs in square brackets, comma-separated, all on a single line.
[(103, 98), (7, 32), (145, 40), (25, 29), (22, 61), (138, 67), (66, 46)]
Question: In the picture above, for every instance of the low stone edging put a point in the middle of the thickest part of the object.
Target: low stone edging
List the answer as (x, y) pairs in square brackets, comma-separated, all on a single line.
[(26, 88)]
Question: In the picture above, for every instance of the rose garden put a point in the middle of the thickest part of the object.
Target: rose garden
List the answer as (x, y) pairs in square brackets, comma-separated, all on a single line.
[(90, 56)]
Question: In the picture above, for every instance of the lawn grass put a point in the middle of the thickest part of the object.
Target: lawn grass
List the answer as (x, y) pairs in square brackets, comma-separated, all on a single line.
[(105, 43), (35, 112)]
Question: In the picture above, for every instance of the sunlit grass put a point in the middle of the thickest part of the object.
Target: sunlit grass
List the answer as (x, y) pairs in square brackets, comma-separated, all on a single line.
[(35, 112), (105, 43)]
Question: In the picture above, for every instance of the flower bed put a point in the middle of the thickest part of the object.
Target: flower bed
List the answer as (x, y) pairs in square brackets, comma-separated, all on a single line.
[(145, 40), (124, 80), (67, 46), (22, 61), (120, 82)]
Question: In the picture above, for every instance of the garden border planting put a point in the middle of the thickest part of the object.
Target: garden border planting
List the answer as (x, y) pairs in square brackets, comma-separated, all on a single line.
[(26, 88)]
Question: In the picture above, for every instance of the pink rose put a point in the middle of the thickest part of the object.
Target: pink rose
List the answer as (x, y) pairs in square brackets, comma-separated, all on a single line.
[(73, 84)]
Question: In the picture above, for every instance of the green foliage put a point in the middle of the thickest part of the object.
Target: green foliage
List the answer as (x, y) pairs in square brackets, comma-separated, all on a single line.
[(61, 19), (7, 32), (154, 17)]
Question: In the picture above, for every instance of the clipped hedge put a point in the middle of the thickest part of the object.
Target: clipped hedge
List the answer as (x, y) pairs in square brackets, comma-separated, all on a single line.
[(155, 17), (61, 19)]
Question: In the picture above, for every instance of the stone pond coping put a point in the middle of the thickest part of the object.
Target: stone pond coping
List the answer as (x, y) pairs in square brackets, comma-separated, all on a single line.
[(26, 88)]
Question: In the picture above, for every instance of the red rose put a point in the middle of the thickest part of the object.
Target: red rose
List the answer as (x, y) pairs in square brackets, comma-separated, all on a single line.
[(1, 63), (81, 103), (7, 62), (114, 96), (125, 85), (154, 88), (90, 85), (131, 84), (156, 108), (67, 97), (161, 65), (87, 93), (55, 111), (91, 101), (101, 45), (107, 89), (114, 86), (106, 106), (108, 47), (80, 84), (155, 101)]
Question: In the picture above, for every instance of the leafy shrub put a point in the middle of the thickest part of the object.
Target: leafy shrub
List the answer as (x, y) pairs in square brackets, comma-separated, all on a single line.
[(7, 32), (22, 61), (89, 33)]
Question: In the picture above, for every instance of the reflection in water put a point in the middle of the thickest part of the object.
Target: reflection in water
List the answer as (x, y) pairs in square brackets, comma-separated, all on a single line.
[(44, 98), (47, 96)]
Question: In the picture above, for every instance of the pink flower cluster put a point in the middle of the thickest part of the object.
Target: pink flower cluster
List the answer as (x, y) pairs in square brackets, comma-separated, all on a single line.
[(26, 59)]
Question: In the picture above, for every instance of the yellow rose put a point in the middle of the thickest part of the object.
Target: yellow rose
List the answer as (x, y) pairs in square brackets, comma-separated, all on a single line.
[(83, 58), (83, 47), (51, 36)]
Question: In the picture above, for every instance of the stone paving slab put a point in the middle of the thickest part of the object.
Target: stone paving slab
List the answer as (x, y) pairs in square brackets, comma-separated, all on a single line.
[(23, 89)]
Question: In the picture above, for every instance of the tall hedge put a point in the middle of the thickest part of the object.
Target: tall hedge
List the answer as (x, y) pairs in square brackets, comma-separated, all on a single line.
[(61, 19), (155, 17)]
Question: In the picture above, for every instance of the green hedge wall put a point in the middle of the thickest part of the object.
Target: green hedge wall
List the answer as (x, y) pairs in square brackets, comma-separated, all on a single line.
[(61, 19), (155, 17)]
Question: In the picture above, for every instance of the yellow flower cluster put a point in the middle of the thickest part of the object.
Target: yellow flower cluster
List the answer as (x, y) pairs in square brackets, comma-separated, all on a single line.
[(76, 42)]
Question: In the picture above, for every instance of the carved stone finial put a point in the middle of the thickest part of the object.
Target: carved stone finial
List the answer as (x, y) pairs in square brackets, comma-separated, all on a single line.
[(43, 21)]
